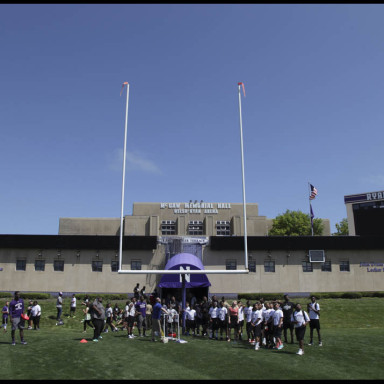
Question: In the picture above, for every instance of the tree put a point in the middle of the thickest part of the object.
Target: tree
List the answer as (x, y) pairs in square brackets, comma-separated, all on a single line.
[(342, 228), (295, 223)]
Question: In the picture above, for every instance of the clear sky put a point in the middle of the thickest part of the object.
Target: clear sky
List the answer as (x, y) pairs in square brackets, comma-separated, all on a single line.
[(313, 110)]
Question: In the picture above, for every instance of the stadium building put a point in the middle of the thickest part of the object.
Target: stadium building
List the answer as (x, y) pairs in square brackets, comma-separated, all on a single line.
[(83, 257)]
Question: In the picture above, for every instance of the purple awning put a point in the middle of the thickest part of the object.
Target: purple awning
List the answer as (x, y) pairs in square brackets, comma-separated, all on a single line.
[(184, 260)]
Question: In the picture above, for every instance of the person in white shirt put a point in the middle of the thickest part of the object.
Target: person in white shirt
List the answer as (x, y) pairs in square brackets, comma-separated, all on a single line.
[(223, 320), (300, 319), (170, 325), (248, 318), (241, 319), (72, 308), (268, 324), (108, 318), (36, 314), (257, 319), (131, 317), (277, 325), (314, 316), (190, 319), (214, 320)]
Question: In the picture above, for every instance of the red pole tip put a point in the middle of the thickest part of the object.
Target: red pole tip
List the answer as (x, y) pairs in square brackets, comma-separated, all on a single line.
[(239, 83)]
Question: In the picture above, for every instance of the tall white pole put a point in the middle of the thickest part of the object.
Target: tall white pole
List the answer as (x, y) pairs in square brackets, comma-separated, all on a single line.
[(123, 182), (242, 171)]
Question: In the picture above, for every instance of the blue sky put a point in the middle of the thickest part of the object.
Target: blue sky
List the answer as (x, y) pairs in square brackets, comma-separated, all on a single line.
[(313, 110)]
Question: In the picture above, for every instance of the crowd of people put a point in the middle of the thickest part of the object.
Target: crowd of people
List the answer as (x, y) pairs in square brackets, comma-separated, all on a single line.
[(262, 324)]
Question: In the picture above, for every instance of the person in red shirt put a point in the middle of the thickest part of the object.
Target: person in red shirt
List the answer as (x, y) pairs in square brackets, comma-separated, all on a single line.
[(233, 321)]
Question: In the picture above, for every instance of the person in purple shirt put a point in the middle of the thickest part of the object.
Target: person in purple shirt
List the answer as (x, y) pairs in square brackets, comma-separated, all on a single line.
[(16, 309), (141, 308)]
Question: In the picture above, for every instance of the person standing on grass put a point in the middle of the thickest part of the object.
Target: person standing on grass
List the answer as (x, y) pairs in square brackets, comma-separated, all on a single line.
[(148, 316), (205, 316), (98, 316), (29, 310), (268, 324), (248, 320), (223, 320), (157, 310), (72, 307), (5, 313), (257, 320), (241, 319), (233, 321), (190, 319), (87, 317), (59, 306), (314, 315), (300, 319), (36, 314), (278, 318), (141, 310), (109, 317), (287, 308), (16, 309), (214, 320), (132, 312)]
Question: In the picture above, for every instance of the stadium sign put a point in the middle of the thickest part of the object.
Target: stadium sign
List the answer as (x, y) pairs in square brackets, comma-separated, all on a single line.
[(207, 208)]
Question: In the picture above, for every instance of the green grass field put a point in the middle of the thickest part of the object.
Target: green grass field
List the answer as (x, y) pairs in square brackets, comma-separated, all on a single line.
[(352, 333)]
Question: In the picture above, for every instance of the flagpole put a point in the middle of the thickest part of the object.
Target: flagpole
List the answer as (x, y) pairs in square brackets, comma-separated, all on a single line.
[(242, 171), (123, 181), (310, 210)]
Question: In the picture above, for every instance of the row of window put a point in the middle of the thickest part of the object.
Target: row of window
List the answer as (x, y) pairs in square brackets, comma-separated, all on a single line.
[(196, 228), (97, 265), (58, 265), (269, 266)]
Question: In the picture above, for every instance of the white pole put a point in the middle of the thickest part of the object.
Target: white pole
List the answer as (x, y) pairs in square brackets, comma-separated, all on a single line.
[(242, 171), (123, 182), (310, 210)]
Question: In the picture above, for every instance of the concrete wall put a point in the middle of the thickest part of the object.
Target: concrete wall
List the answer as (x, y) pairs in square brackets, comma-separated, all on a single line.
[(288, 275)]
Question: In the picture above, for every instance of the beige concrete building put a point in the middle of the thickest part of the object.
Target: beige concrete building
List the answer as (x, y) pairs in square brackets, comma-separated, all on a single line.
[(83, 257)]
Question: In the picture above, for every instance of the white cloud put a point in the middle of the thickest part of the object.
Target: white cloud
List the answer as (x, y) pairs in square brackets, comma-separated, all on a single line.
[(135, 161)]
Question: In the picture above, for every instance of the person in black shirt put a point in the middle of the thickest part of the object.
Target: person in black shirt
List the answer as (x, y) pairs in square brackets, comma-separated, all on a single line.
[(287, 307)]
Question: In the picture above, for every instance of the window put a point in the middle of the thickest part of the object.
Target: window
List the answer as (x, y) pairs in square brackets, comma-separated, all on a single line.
[(269, 266), (195, 227), (58, 265), (307, 266), (136, 264), (326, 266), (230, 264), (223, 228), (252, 265), (344, 266), (168, 227), (114, 266), (21, 265), (39, 265), (97, 266)]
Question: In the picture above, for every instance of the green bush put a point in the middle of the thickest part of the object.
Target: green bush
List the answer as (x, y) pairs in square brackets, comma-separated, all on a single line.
[(351, 295), (258, 296), (34, 296), (6, 295)]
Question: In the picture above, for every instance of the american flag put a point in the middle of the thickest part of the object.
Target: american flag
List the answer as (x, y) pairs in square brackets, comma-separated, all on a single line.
[(313, 192)]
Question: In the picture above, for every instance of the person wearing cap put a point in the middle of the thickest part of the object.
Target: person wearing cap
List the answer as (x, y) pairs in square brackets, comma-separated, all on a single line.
[(156, 316), (16, 310), (59, 306)]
